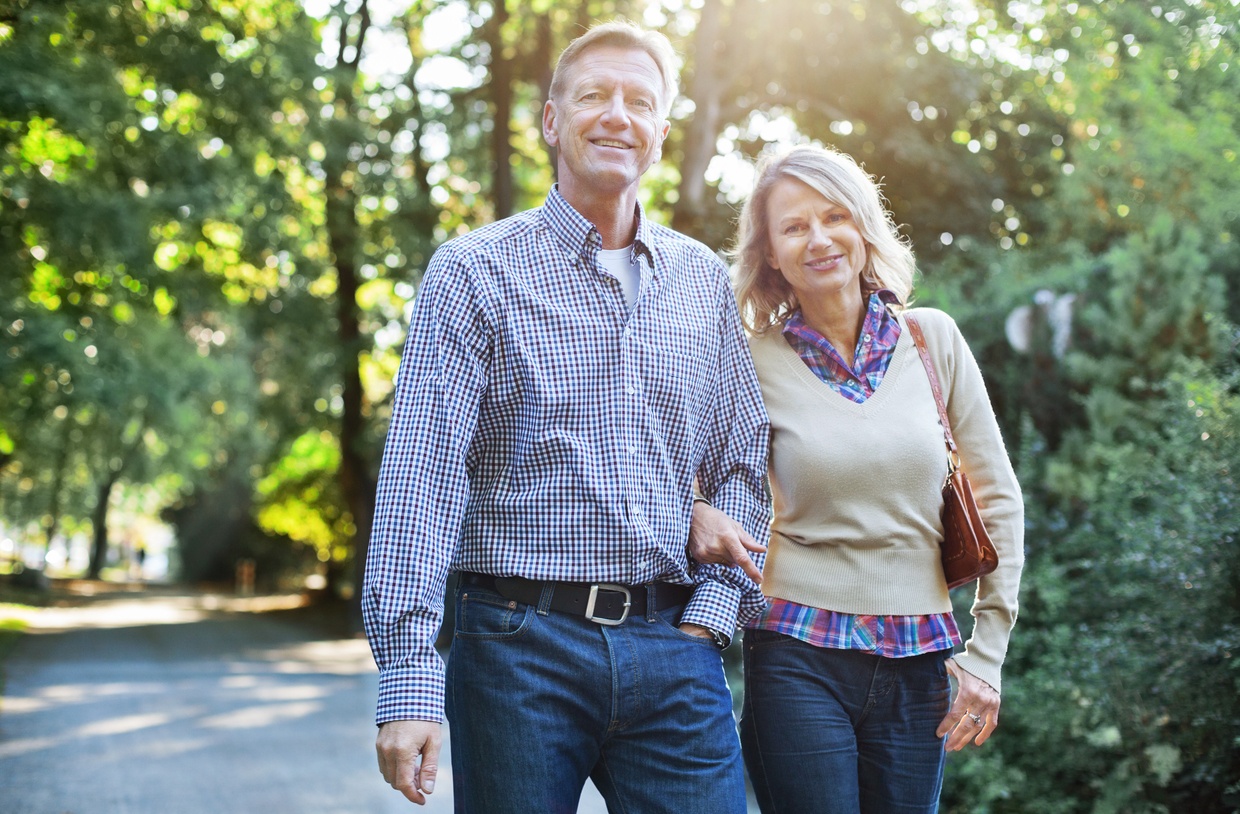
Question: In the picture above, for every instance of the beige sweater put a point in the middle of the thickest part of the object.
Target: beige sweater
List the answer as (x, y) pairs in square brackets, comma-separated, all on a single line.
[(857, 488)]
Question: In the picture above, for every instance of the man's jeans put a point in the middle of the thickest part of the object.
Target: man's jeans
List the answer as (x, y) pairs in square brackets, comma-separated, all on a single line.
[(841, 731), (539, 701)]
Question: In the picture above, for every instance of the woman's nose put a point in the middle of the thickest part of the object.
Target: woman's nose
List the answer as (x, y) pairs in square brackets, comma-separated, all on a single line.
[(819, 236)]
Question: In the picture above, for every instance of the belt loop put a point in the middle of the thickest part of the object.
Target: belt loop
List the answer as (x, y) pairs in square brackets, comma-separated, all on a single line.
[(544, 600), (652, 603)]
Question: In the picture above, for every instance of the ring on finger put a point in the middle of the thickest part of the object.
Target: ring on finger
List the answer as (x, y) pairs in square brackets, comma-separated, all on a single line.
[(977, 719)]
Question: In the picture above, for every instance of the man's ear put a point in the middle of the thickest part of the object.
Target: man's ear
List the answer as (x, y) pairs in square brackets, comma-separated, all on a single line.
[(667, 128), (551, 124)]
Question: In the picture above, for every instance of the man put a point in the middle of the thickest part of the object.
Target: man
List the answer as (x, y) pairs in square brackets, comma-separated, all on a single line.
[(569, 373)]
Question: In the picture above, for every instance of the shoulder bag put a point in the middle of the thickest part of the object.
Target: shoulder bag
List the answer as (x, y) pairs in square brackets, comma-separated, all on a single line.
[(967, 551)]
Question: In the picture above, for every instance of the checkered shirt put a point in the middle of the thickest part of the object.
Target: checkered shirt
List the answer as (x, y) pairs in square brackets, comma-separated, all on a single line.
[(542, 429)]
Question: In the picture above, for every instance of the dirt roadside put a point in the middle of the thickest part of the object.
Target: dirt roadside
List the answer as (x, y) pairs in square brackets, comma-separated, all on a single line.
[(192, 702)]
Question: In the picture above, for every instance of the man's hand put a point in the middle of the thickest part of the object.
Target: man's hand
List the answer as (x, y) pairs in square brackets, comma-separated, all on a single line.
[(696, 630), (400, 744), (716, 538)]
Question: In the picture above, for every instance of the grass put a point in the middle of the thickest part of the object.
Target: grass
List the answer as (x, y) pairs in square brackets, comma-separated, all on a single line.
[(11, 629)]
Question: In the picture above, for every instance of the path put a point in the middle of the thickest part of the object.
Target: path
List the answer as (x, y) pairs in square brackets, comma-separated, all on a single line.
[(164, 702)]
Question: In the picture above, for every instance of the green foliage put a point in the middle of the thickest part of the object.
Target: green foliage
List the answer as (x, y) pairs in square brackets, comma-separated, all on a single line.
[(1122, 689), (215, 213), (300, 499)]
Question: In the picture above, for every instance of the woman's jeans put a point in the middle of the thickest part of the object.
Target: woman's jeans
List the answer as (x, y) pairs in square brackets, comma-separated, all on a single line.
[(828, 731), (539, 700)]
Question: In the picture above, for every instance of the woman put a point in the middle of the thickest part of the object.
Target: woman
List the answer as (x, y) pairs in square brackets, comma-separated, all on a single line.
[(848, 704)]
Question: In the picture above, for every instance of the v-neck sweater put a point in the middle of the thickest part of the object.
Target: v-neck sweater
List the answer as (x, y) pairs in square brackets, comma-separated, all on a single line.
[(857, 488)]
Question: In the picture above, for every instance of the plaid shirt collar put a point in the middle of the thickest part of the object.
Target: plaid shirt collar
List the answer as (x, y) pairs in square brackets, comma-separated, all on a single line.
[(580, 239), (856, 377)]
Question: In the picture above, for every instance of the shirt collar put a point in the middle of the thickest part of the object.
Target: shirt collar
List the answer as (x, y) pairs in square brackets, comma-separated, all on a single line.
[(577, 236)]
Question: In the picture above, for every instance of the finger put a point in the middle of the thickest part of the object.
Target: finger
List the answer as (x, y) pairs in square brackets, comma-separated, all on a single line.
[(430, 766), (950, 720), (739, 557), (963, 732), (400, 770), (750, 543), (972, 727), (992, 723), (407, 781)]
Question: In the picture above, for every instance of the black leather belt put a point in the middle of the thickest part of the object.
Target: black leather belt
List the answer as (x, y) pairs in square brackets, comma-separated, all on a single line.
[(606, 603)]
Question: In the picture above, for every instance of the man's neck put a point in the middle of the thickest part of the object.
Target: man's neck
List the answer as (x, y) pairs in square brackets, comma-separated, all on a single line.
[(615, 216)]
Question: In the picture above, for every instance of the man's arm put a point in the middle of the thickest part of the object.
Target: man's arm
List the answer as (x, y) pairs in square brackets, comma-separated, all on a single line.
[(423, 488), (732, 478)]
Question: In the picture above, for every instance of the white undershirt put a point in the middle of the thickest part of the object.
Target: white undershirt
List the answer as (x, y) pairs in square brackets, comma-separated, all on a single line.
[(622, 264)]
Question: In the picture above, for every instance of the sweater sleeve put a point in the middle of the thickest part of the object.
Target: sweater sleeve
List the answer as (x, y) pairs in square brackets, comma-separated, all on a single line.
[(984, 458)]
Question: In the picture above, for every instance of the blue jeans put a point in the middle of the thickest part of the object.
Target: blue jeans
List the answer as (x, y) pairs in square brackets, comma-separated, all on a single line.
[(842, 731), (539, 700)]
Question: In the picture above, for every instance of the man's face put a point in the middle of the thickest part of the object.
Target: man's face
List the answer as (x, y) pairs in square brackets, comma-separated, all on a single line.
[(607, 126)]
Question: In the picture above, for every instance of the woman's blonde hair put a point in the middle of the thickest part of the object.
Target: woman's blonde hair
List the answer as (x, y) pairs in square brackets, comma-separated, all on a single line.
[(765, 298)]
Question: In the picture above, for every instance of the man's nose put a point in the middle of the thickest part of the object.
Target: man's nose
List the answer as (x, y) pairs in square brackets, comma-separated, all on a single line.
[(616, 113)]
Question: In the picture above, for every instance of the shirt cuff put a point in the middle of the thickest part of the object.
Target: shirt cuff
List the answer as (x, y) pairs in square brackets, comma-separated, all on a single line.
[(714, 606), (410, 695)]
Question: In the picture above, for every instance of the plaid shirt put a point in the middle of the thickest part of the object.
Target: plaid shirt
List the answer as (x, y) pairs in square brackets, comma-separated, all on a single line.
[(541, 429), (856, 381), (889, 636)]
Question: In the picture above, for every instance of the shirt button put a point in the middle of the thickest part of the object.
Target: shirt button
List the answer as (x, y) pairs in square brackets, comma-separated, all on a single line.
[(631, 390), (866, 338), (633, 449)]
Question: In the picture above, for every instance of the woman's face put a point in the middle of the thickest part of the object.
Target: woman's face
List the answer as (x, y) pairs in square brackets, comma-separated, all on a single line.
[(815, 244)]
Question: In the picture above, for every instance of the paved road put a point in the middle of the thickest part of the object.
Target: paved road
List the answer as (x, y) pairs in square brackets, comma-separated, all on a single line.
[(166, 703)]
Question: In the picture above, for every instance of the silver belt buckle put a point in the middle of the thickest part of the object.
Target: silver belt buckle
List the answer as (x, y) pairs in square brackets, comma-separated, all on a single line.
[(607, 586)]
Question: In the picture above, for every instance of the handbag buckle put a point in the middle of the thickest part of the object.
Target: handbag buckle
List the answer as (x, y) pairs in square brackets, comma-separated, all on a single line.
[(953, 466)]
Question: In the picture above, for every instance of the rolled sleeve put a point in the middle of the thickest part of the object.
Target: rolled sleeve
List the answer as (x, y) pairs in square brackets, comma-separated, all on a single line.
[(732, 476)]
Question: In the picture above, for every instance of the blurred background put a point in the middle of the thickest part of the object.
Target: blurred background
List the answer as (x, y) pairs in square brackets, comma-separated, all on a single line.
[(214, 215)]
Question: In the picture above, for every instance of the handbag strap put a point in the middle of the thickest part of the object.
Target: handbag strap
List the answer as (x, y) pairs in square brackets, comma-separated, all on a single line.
[(919, 339)]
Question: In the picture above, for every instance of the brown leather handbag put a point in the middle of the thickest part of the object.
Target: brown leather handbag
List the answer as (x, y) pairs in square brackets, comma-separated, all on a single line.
[(967, 551)]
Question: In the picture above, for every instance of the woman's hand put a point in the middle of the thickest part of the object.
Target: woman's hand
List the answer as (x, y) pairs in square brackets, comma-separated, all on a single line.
[(974, 714), (716, 538)]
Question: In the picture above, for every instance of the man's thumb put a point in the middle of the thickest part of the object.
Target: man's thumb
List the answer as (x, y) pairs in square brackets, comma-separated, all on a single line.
[(430, 769)]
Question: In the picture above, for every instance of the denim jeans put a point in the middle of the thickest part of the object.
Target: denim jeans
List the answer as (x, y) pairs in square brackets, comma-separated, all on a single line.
[(539, 700), (842, 731)]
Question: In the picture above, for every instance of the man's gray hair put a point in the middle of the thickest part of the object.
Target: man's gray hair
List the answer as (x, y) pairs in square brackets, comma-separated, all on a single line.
[(624, 34)]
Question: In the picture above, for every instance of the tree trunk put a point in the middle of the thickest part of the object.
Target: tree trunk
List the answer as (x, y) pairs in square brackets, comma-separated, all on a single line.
[(99, 525), (542, 67), (58, 483), (709, 83), (500, 91), (356, 484)]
